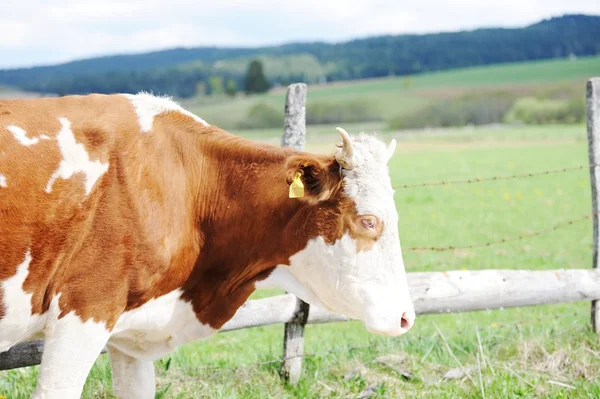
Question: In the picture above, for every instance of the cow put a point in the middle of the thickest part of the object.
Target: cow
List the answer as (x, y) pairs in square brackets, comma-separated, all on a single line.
[(129, 223)]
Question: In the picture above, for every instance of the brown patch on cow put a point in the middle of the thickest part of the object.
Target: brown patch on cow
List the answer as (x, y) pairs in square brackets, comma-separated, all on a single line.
[(4, 110), (93, 138), (183, 206)]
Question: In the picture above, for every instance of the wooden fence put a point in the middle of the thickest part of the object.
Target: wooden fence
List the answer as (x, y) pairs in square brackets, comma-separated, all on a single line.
[(431, 292)]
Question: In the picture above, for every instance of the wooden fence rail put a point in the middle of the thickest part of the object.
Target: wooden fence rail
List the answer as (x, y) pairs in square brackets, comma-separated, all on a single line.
[(432, 292)]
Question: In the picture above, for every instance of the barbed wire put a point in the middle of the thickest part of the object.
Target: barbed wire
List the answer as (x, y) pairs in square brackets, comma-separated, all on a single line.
[(219, 370), (503, 240), (496, 178)]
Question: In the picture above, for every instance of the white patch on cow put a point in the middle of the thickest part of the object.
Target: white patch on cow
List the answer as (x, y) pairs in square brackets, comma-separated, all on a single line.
[(158, 327), (131, 377), (21, 136), (75, 160), (70, 349), (147, 106), (18, 324), (3, 183)]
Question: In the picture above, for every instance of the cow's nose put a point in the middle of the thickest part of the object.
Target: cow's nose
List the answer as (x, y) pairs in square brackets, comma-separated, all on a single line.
[(407, 321)]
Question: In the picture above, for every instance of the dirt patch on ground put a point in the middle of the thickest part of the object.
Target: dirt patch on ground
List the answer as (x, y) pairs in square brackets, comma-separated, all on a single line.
[(561, 363)]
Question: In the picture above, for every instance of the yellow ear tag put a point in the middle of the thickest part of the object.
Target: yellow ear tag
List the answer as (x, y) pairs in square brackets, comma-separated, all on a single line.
[(297, 187)]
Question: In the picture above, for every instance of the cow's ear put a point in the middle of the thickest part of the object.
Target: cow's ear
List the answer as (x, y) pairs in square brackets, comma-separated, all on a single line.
[(313, 178)]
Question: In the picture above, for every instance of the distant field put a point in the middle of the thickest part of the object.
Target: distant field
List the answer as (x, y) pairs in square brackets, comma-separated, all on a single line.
[(396, 96), (322, 138), (9, 92), (529, 351)]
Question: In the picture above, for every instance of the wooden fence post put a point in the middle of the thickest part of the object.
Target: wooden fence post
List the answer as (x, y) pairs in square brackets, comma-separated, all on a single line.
[(294, 135), (294, 129), (593, 129)]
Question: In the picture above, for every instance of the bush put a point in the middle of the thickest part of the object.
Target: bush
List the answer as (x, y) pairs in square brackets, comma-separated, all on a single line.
[(262, 116), (353, 111), (471, 109), (534, 111)]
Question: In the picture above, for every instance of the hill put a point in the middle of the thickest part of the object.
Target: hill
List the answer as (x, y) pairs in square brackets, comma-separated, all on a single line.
[(187, 72)]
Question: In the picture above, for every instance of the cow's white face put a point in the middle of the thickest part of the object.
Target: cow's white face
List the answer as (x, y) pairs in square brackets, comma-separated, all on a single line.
[(360, 274)]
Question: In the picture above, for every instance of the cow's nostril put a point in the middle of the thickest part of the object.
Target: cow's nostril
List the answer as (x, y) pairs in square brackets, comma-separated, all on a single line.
[(406, 322)]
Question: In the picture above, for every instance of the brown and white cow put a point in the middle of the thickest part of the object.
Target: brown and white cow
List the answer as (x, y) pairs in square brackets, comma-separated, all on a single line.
[(129, 222)]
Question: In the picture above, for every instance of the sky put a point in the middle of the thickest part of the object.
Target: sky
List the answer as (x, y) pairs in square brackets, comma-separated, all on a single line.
[(40, 32)]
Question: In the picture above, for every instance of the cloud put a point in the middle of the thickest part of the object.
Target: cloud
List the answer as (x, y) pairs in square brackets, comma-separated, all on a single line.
[(40, 32)]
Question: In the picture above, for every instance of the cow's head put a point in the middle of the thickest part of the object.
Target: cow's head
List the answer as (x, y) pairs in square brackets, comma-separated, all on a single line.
[(352, 263)]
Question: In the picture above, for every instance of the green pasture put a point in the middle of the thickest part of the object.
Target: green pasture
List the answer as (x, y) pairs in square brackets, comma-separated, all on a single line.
[(537, 352)]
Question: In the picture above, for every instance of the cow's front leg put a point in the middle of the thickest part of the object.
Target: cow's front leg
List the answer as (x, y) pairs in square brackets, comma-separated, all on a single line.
[(131, 377), (70, 349)]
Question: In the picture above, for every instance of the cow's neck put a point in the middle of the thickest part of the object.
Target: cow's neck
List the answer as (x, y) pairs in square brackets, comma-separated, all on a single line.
[(244, 221)]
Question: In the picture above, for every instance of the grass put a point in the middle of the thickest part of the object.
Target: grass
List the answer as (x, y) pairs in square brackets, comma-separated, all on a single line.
[(397, 96), (524, 352)]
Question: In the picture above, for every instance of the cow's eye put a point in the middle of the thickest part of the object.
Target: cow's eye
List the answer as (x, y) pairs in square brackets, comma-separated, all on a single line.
[(369, 222)]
